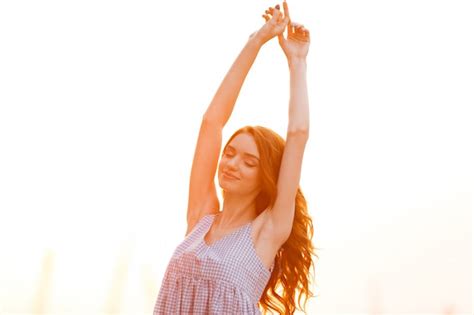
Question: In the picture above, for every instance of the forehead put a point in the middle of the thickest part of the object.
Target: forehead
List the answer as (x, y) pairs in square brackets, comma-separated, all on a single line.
[(245, 143)]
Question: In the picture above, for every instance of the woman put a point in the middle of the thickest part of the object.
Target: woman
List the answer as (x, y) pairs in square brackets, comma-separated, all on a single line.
[(256, 250)]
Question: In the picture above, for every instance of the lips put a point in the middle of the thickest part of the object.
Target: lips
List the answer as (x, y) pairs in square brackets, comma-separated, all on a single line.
[(229, 175)]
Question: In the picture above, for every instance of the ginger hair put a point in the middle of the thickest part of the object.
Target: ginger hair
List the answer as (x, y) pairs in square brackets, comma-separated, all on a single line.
[(289, 282)]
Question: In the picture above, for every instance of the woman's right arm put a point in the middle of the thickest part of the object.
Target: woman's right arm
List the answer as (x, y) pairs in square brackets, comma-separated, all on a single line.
[(202, 198)]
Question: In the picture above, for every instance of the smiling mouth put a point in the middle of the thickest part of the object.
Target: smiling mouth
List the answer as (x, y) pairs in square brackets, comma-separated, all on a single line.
[(229, 176)]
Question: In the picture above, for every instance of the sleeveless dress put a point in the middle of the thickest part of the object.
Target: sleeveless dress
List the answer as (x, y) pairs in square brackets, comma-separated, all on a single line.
[(226, 277)]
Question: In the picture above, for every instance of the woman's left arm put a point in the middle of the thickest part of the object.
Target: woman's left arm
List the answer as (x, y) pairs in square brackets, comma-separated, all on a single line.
[(295, 47), (283, 211)]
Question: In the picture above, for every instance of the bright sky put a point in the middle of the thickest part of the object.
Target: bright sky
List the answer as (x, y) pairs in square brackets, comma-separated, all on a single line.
[(100, 105)]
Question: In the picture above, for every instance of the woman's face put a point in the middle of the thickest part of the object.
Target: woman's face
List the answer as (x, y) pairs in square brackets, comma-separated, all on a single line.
[(238, 170)]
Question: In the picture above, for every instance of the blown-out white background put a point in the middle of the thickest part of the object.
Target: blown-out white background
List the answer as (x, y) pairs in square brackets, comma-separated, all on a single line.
[(100, 105)]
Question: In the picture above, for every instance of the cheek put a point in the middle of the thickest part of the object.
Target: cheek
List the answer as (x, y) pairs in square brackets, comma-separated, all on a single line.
[(221, 164), (252, 175), (219, 168)]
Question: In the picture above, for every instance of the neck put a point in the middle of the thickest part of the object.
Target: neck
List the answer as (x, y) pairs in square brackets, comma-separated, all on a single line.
[(236, 211)]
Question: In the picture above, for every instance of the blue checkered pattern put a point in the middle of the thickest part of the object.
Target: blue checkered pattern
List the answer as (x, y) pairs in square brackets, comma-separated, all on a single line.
[(226, 277)]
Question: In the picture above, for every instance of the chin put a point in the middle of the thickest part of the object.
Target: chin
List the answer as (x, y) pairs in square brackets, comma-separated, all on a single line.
[(226, 186), (222, 183), (229, 186)]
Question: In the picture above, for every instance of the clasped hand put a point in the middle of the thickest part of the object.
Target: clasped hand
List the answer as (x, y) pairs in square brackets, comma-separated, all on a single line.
[(296, 43)]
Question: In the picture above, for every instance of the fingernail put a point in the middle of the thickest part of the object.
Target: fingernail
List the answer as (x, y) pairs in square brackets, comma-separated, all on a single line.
[(277, 7)]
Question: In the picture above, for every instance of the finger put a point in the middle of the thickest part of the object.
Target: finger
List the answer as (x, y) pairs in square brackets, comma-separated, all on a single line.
[(280, 38), (304, 31), (269, 12), (287, 17), (276, 12), (297, 35), (274, 16), (280, 17), (285, 9), (300, 29), (304, 37), (291, 29), (306, 34), (299, 32), (265, 17), (301, 39), (297, 25), (284, 23)]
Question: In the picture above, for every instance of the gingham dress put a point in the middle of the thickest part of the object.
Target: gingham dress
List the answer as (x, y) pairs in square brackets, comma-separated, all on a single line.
[(226, 277)]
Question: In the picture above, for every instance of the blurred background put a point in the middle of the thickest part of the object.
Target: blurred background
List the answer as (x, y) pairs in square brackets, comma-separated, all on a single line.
[(100, 106)]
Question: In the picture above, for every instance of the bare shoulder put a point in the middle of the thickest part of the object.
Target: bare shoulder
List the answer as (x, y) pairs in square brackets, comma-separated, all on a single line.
[(193, 221)]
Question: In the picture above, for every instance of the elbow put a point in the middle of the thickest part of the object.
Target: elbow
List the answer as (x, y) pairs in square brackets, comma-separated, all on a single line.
[(209, 120), (298, 132)]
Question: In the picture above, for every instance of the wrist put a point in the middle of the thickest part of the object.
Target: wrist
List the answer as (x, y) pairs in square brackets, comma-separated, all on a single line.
[(297, 62), (257, 39)]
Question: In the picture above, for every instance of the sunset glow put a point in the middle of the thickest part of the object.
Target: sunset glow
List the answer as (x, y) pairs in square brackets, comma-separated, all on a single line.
[(100, 106)]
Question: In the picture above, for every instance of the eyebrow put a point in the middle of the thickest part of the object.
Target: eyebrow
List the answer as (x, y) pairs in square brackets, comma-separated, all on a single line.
[(245, 153)]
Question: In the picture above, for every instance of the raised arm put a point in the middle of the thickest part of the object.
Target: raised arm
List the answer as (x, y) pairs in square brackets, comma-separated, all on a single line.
[(202, 198), (295, 47)]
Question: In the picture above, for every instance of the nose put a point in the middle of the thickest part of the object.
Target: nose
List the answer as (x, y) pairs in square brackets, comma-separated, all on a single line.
[(232, 163)]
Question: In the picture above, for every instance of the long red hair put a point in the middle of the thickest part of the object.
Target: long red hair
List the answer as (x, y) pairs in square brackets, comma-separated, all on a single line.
[(290, 278)]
